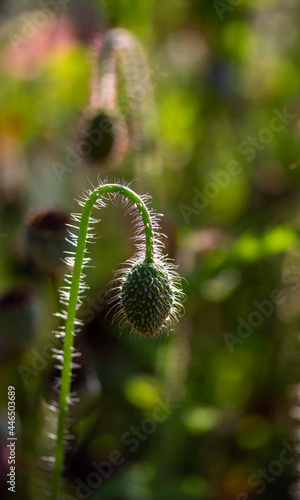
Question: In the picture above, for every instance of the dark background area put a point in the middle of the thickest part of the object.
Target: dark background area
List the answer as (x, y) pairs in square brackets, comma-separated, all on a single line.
[(220, 93)]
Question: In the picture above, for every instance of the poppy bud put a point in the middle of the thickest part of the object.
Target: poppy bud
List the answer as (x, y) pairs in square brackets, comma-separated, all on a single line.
[(105, 138), (150, 297), (146, 298)]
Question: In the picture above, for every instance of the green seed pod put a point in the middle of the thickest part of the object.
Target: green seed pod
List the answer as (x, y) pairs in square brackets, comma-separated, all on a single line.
[(147, 298)]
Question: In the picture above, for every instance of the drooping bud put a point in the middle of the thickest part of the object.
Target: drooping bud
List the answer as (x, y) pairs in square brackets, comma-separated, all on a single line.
[(147, 298)]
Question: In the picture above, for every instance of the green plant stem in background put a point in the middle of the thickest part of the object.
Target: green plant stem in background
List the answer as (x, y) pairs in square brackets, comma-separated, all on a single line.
[(72, 307)]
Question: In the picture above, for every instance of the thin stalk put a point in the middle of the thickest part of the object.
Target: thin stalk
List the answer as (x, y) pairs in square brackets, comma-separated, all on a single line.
[(72, 308)]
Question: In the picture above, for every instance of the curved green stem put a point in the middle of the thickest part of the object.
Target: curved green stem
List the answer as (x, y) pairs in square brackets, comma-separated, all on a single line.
[(72, 307)]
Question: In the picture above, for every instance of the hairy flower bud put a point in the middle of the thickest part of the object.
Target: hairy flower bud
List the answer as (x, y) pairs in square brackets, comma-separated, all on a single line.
[(150, 297), (146, 298)]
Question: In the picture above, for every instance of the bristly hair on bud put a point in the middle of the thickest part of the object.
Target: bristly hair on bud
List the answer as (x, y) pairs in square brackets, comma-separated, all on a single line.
[(149, 294), (150, 298)]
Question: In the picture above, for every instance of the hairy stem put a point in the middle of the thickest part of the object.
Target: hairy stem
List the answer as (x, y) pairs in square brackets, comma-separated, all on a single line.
[(72, 308)]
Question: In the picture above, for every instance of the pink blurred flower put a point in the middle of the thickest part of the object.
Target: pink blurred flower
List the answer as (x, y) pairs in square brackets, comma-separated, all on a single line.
[(34, 37)]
